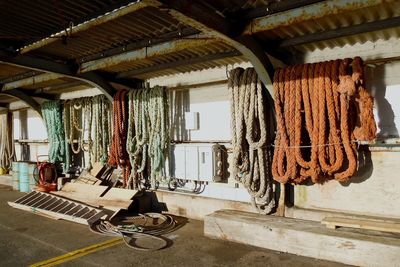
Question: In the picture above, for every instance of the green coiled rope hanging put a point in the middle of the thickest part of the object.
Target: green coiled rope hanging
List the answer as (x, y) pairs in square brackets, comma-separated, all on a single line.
[(52, 116)]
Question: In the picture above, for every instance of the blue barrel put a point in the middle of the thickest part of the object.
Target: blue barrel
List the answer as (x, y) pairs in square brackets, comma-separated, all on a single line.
[(24, 176), (15, 175), (32, 181)]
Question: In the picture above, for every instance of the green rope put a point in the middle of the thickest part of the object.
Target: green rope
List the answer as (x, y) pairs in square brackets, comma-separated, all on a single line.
[(52, 116), (148, 133)]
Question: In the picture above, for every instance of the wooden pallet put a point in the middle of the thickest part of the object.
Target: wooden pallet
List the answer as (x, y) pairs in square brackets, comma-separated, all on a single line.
[(384, 226), (57, 208)]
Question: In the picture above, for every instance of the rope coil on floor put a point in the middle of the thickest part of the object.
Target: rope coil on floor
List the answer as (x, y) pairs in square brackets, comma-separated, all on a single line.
[(322, 110), (150, 226)]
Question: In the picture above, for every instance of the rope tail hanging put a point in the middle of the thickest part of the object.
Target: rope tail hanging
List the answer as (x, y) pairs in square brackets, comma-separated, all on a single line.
[(7, 152), (250, 137), (52, 115), (118, 153), (322, 110), (148, 134), (101, 128)]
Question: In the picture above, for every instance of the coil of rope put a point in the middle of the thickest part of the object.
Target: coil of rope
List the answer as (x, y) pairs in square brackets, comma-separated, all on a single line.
[(52, 116), (101, 128), (7, 154), (316, 108), (148, 138), (250, 127), (78, 117), (150, 226), (118, 155)]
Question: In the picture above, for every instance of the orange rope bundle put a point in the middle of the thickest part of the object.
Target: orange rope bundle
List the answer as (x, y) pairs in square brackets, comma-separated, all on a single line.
[(321, 110), (118, 153)]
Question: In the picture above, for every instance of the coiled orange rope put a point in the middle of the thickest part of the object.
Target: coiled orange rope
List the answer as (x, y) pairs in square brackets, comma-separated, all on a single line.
[(322, 109)]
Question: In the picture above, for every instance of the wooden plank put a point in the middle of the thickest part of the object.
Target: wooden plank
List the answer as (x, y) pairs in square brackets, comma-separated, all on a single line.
[(98, 169), (302, 237), (120, 194), (85, 190), (113, 199), (333, 222), (97, 202)]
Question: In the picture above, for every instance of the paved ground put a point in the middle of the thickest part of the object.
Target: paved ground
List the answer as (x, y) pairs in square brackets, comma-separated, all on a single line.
[(26, 239)]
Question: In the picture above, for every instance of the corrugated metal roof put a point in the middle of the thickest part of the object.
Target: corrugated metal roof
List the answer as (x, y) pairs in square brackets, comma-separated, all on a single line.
[(189, 53), (357, 17), (25, 21), (148, 23)]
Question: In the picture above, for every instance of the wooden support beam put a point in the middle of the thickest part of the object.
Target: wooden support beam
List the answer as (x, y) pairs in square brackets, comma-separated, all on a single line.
[(341, 32)]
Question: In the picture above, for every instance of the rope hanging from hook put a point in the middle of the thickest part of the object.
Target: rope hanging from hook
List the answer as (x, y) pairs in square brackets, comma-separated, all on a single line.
[(322, 110), (251, 122)]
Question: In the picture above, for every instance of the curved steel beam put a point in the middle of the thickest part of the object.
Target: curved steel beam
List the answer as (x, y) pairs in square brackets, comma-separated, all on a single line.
[(52, 68), (18, 94), (211, 23)]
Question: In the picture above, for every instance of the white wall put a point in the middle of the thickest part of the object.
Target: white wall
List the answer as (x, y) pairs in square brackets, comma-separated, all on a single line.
[(375, 190)]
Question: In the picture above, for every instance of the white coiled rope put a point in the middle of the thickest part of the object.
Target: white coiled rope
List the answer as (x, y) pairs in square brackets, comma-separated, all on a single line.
[(249, 126)]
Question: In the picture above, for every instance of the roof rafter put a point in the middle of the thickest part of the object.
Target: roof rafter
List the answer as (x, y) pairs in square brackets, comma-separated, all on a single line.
[(30, 101), (206, 20), (51, 68)]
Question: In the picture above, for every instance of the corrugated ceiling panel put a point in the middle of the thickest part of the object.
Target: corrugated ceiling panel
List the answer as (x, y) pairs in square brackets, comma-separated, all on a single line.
[(143, 24), (384, 11), (193, 52), (28, 21)]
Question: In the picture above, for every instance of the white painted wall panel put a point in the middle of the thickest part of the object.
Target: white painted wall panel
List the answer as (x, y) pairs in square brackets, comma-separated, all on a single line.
[(375, 190)]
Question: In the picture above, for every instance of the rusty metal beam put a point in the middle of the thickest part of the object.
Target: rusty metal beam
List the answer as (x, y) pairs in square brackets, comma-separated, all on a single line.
[(145, 52), (20, 95), (310, 12), (37, 79), (132, 7), (185, 32), (346, 31), (51, 68), (179, 63), (209, 22), (274, 7)]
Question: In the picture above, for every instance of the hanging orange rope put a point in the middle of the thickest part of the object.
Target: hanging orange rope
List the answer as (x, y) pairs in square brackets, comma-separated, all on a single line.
[(322, 109), (118, 154)]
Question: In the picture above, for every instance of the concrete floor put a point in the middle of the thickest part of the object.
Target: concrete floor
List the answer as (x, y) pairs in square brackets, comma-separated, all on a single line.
[(27, 239)]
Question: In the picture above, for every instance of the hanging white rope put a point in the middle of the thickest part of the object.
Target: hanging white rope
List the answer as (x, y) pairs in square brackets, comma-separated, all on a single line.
[(7, 154), (85, 118), (249, 126)]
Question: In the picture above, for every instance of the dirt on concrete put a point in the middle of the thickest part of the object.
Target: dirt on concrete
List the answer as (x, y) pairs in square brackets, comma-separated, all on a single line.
[(27, 238)]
